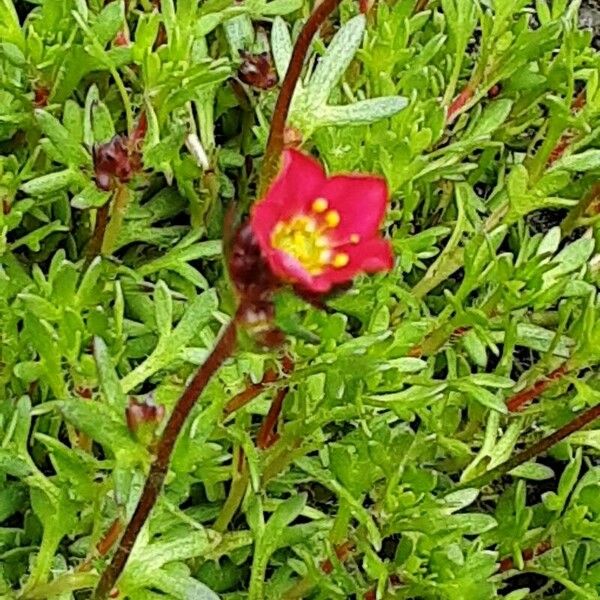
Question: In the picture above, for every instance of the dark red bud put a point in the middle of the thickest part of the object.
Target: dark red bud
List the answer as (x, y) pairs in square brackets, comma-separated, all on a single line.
[(40, 96), (117, 160), (248, 270), (84, 392), (143, 415), (495, 91), (364, 6), (121, 39), (257, 70)]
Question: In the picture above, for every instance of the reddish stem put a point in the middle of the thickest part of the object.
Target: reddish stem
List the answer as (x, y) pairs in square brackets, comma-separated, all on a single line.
[(418, 350), (506, 564), (267, 434), (107, 541), (579, 422), (519, 400), (567, 138), (459, 102), (284, 100), (164, 449), (252, 391), (342, 552)]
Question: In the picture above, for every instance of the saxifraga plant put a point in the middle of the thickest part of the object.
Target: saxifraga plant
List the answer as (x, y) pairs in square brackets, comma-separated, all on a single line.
[(423, 432)]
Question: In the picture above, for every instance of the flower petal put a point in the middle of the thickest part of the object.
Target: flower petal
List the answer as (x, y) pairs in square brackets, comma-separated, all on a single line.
[(372, 256), (289, 269), (360, 200), (296, 186)]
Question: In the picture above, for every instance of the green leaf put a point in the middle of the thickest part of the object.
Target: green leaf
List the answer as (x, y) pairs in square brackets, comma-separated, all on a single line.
[(163, 308), (12, 499), (108, 22), (90, 197), (109, 382), (491, 380), (11, 464), (584, 161), (492, 118), (51, 183), (360, 113), (279, 7), (533, 471), (198, 314), (105, 425), (11, 29), (268, 541), (69, 149), (281, 46), (338, 56), (34, 239), (483, 396), (182, 587)]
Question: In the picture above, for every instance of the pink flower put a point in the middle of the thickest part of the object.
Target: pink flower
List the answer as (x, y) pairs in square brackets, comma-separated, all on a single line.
[(317, 232)]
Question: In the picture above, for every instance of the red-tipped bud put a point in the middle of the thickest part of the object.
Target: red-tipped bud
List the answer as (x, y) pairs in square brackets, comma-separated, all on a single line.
[(257, 70), (143, 419)]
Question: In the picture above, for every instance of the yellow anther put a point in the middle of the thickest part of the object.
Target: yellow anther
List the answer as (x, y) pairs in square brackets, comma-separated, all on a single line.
[(332, 218), (354, 238), (302, 238), (320, 205), (340, 260), (325, 256)]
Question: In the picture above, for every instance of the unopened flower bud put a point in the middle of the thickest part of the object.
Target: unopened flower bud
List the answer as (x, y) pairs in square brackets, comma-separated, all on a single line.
[(143, 418), (257, 70)]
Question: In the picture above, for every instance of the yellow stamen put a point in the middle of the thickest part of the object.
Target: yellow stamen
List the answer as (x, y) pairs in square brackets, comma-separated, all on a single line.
[(354, 238), (302, 238), (340, 260), (332, 218), (320, 205)]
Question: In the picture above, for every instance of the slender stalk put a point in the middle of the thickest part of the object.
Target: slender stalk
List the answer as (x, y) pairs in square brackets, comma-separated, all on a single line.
[(570, 221), (516, 402), (164, 449), (103, 547), (250, 392), (113, 229), (268, 435), (95, 244), (284, 100), (579, 422), (239, 483), (508, 563)]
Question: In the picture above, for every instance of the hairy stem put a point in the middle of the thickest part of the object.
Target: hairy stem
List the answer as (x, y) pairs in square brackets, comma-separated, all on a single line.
[(164, 449), (579, 422), (105, 544), (284, 100)]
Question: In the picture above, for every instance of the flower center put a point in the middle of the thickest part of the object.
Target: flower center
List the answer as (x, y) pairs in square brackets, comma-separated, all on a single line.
[(305, 238), (302, 238)]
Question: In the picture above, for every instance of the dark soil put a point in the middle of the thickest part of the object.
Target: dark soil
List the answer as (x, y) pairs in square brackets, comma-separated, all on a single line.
[(589, 18)]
